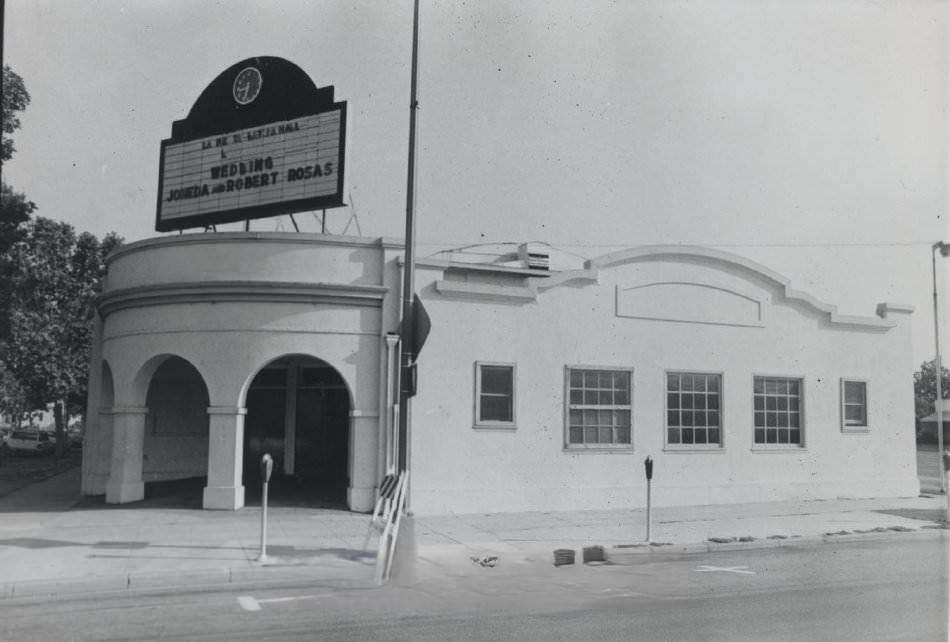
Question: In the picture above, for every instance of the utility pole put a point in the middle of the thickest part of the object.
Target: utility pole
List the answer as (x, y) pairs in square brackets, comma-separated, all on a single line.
[(407, 355), (944, 249)]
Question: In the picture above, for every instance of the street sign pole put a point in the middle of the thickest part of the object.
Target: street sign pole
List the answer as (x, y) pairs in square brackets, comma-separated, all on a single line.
[(938, 367), (407, 358)]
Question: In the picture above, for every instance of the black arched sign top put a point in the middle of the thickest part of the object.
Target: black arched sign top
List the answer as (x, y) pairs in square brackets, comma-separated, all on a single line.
[(261, 140)]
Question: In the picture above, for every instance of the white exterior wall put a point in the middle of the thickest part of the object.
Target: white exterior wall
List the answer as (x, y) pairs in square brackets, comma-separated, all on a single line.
[(231, 303), (457, 468)]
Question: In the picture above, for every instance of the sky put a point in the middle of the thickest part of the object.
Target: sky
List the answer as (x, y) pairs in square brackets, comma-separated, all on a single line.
[(810, 136)]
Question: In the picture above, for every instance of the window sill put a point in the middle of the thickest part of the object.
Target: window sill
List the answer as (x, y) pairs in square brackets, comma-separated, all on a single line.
[(613, 450), (496, 427), (702, 449), (783, 449), (855, 430)]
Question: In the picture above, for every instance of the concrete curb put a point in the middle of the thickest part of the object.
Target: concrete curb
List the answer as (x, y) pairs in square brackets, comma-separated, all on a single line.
[(179, 582), (620, 557), (538, 554)]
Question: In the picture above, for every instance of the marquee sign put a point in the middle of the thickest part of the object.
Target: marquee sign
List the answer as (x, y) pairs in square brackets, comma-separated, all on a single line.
[(260, 141)]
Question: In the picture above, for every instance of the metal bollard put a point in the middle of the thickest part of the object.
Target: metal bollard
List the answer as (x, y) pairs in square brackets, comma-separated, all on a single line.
[(267, 467)]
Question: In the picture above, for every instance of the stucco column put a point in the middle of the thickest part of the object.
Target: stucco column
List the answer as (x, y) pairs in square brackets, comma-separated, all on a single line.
[(225, 458), (94, 482), (97, 453), (364, 439), (125, 474)]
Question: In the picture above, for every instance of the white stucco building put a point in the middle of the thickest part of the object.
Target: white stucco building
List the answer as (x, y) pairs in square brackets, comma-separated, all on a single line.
[(538, 388)]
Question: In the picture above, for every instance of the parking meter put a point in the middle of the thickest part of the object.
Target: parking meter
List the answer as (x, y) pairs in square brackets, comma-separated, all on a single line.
[(267, 467), (648, 467)]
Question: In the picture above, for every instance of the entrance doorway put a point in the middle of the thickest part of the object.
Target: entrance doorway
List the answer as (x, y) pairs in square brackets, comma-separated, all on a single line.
[(298, 411)]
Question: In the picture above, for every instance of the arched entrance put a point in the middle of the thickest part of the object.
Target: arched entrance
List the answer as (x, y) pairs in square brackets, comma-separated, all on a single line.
[(298, 411), (175, 443)]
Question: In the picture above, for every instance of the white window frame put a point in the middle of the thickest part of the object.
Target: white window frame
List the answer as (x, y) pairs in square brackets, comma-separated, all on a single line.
[(477, 410), (568, 406), (849, 427), (789, 447), (666, 426)]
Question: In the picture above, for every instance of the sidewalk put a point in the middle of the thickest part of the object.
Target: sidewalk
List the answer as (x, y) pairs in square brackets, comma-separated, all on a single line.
[(53, 543)]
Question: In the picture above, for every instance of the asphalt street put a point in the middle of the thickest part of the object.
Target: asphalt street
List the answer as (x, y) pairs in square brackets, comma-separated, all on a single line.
[(866, 589)]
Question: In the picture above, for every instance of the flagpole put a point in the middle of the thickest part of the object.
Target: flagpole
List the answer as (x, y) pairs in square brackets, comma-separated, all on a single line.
[(407, 357)]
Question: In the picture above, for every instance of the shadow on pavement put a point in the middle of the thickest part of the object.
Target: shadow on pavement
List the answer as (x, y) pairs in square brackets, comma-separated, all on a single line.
[(922, 514), (282, 552), (187, 494)]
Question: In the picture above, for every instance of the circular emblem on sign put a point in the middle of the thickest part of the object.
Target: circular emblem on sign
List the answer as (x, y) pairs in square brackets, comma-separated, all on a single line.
[(247, 85)]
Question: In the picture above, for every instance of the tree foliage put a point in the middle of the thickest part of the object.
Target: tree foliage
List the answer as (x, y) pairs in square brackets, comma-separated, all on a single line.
[(15, 208), (925, 388), (15, 99), (49, 278), (56, 277)]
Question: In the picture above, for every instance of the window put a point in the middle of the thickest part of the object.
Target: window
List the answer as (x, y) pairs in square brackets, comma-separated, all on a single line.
[(494, 395), (693, 410), (854, 404), (598, 410), (778, 411)]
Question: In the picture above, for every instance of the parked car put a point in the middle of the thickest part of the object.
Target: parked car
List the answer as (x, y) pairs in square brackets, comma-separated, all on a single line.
[(74, 439), (26, 441)]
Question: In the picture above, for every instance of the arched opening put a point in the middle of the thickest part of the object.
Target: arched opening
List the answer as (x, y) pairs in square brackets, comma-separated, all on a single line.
[(298, 411), (106, 387), (175, 446)]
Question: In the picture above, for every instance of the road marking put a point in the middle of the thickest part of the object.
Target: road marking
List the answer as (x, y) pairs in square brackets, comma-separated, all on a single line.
[(617, 593), (248, 603), (725, 569)]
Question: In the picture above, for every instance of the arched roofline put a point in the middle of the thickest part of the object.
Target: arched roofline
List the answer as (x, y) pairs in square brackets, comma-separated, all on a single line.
[(654, 252), (738, 263)]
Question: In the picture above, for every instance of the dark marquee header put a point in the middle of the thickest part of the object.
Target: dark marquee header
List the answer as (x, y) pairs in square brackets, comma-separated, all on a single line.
[(261, 140)]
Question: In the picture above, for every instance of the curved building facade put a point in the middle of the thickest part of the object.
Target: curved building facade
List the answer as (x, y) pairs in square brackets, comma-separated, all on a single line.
[(214, 348), (538, 388)]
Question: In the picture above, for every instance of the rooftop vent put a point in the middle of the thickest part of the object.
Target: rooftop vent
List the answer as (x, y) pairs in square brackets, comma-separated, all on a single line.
[(534, 256)]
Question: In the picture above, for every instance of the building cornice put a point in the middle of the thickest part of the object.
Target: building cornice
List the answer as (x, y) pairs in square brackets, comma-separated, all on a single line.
[(240, 291), (532, 285), (216, 238)]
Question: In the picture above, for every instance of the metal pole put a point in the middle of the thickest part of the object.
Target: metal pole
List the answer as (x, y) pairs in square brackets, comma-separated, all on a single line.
[(649, 513), (263, 556), (938, 402), (267, 467), (409, 264)]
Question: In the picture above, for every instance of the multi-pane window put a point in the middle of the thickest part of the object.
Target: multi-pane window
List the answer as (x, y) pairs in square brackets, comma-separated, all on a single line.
[(693, 410), (495, 394), (778, 411), (598, 408), (854, 404)]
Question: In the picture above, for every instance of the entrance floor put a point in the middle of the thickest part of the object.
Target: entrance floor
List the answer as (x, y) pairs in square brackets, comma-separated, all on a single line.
[(284, 492)]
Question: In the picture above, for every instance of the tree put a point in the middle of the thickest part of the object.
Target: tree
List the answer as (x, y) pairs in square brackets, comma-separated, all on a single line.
[(15, 211), (15, 99), (925, 388), (15, 208), (56, 278)]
